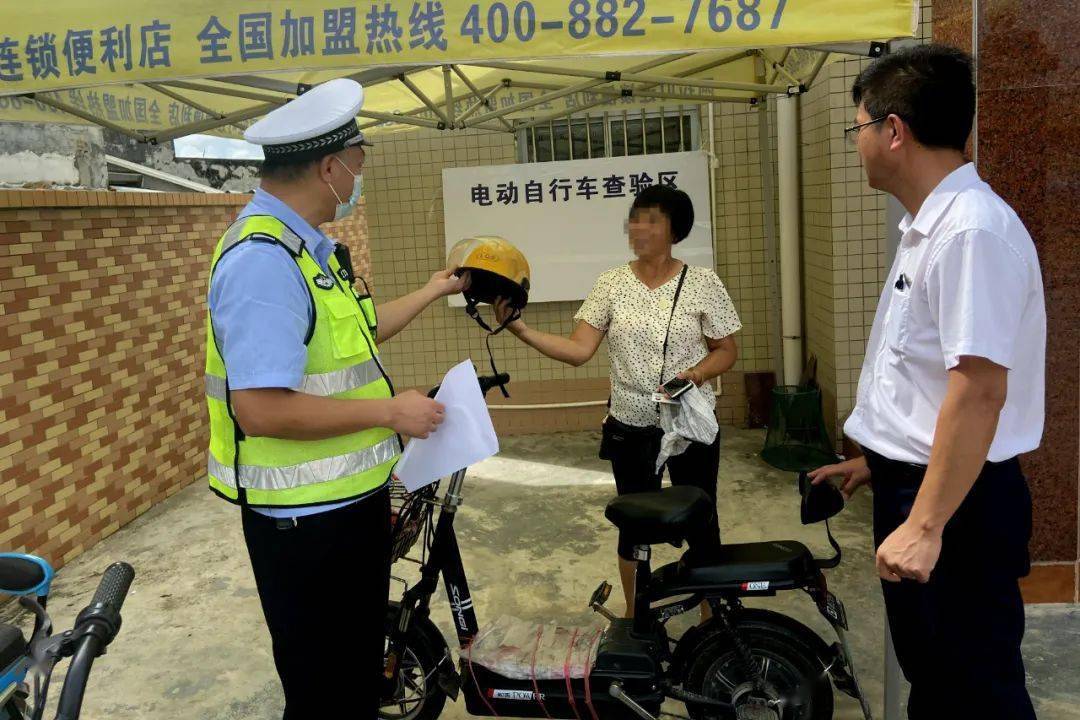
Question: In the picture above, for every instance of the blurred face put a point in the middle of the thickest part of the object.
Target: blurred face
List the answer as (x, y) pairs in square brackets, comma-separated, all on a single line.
[(649, 230)]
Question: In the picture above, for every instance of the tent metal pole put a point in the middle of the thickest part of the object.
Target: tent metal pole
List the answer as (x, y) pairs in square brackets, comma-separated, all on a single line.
[(636, 92), (421, 110), (691, 98), (424, 98), (779, 67), (263, 83), (190, 103), (211, 123), (476, 91), (402, 119), (673, 96), (448, 95), (818, 64), (859, 49), (44, 100), (783, 59), (230, 92), (484, 101), (630, 76), (546, 97), (579, 87)]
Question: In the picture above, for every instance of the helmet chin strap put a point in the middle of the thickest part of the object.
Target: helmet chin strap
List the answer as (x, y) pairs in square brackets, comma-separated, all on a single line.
[(474, 313)]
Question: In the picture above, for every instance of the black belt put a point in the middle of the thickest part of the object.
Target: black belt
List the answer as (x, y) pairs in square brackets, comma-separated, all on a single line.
[(915, 470)]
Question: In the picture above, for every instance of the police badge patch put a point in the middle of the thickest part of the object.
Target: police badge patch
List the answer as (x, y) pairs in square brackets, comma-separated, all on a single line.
[(323, 281)]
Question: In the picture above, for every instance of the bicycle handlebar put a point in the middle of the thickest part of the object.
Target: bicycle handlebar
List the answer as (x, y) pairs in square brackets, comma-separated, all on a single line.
[(95, 627), (487, 383)]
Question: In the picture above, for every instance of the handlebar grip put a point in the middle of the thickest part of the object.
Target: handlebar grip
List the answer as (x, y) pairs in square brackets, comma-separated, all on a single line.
[(114, 586)]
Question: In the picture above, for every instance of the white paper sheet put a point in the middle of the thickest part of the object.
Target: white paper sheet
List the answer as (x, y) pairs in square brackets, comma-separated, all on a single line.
[(466, 435)]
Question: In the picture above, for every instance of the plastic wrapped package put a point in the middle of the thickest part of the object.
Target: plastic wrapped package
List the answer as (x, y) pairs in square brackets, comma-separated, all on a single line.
[(524, 650)]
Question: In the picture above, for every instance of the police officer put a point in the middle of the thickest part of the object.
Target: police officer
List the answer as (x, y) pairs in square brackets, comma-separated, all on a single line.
[(951, 392), (304, 421)]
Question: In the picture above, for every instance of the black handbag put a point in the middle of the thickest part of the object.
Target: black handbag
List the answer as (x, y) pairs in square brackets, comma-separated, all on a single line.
[(619, 440)]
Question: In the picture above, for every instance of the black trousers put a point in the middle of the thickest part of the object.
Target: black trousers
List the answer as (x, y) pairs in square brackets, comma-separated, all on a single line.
[(958, 636), (633, 453), (323, 584)]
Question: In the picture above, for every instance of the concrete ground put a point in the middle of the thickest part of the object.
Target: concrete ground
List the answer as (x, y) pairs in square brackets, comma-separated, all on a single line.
[(535, 544)]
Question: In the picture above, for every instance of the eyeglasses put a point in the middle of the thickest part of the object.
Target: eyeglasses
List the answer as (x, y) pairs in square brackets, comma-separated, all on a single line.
[(852, 133)]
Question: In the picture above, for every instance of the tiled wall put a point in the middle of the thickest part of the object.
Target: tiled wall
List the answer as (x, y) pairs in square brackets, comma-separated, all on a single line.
[(844, 252), (403, 183), (102, 307), (742, 260), (403, 186)]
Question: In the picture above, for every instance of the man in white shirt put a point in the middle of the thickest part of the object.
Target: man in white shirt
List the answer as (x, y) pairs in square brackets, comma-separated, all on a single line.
[(951, 392)]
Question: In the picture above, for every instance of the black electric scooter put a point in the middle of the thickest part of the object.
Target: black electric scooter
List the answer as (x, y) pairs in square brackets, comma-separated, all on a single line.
[(745, 663)]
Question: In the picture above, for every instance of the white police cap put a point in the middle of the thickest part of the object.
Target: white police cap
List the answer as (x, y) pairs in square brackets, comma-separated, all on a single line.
[(319, 122)]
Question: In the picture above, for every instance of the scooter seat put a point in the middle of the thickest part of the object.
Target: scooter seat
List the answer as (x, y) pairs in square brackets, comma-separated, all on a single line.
[(12, 645), (785, 562), (665, 516)]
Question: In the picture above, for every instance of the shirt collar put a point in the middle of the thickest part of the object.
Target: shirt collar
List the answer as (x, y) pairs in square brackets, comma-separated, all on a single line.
[(263, 203), (939, 199)]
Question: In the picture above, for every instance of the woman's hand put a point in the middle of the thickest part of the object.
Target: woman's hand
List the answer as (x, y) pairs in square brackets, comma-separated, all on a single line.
[(693, 375), (503, 311)]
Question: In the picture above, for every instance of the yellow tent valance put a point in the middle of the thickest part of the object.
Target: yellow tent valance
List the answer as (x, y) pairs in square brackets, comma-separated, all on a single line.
[(159, 68)]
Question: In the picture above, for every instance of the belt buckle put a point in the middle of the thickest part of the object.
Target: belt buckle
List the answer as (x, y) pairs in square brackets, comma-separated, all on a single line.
[(285, 523)]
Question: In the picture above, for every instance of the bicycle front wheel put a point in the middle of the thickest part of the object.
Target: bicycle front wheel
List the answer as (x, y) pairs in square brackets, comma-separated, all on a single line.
[(416, 694)]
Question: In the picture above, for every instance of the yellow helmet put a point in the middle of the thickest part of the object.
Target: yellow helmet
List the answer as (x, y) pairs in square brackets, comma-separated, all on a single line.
[(496, 269)]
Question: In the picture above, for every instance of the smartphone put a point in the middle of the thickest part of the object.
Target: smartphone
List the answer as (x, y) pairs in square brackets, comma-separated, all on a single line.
[(676, 387)]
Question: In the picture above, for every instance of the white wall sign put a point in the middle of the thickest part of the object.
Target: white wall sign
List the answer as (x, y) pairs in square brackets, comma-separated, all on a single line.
[(569, 217)]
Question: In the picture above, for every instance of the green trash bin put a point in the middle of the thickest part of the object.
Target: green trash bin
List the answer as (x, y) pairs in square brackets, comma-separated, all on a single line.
[(797, 440)]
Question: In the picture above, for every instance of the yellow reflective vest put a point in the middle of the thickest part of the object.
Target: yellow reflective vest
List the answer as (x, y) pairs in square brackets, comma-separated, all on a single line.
[(342, 362)]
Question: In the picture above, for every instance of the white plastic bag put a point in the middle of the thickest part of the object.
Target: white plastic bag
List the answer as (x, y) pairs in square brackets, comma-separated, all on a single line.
[(691, 419)]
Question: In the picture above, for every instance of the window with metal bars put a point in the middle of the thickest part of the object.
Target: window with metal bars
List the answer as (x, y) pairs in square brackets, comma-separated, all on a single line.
[(612, 134)]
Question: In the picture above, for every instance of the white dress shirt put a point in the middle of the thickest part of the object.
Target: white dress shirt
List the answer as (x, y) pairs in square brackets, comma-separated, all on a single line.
[(966, 281)]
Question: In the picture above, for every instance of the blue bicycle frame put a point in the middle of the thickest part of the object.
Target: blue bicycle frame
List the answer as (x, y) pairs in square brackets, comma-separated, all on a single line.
[(14, 674)]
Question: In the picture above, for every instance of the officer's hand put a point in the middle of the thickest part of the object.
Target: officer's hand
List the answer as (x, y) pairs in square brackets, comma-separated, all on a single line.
[(445, 282), (854, 472), (503, 311), (415, 415)]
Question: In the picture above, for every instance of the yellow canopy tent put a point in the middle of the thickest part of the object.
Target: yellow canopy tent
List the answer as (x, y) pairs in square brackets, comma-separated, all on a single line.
[(157, 70)]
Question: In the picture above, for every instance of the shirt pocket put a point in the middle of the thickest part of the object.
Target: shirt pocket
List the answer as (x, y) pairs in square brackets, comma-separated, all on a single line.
[(345, 322), (898, 320)]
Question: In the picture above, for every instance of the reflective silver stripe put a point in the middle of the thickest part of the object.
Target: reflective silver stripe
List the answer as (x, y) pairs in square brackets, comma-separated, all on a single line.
[(233, 235), (215, 387), (323, 384), (294, 476), (221, 472), (339, 381)]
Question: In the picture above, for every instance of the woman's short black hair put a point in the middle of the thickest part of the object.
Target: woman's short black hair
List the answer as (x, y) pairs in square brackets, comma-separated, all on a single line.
[(930, 87), (673, 202)]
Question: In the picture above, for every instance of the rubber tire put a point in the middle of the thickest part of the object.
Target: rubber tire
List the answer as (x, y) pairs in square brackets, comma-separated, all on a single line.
[(427, 644), (782, 643)]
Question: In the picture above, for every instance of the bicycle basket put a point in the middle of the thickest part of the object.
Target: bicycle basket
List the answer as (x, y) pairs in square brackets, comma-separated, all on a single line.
[(410, 512)]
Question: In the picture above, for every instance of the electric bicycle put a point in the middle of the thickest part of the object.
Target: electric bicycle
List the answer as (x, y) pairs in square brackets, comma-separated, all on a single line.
[(745, 663)]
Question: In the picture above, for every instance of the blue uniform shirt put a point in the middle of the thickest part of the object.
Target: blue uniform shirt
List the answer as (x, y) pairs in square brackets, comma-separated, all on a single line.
[(260, 306)]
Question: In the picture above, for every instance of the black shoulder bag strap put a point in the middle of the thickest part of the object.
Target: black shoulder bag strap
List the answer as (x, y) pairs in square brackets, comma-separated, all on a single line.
[(667, 333)]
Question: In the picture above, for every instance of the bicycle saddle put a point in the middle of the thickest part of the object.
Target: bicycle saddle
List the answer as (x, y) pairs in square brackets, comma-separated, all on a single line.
[(666, 516)]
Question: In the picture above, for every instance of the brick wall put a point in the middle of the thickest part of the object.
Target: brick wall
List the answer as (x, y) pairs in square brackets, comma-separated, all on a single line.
[(102, 299)]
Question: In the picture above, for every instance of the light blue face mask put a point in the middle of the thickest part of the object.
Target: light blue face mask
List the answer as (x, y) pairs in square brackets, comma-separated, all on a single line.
[(344, 209)]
